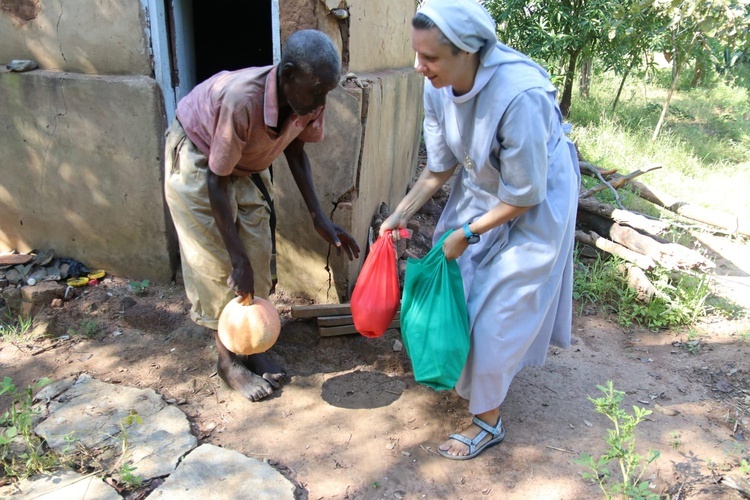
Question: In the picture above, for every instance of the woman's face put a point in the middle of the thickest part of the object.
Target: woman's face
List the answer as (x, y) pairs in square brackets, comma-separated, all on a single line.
[(439, 64)]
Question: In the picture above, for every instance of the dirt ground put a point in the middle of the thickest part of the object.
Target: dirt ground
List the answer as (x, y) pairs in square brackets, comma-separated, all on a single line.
[(351, 423)]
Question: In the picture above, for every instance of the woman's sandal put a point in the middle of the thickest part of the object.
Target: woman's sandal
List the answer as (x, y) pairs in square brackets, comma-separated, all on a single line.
[(497, 433)]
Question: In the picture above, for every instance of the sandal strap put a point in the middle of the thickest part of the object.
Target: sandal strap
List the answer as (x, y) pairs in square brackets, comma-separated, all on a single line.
[(495, 431), (471, 443)]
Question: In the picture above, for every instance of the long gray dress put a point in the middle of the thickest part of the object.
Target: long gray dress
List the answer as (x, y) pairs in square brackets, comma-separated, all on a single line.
[(518, 279)]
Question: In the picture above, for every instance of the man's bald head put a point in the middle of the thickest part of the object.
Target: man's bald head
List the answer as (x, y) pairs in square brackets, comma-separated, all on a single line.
[(312, 53)]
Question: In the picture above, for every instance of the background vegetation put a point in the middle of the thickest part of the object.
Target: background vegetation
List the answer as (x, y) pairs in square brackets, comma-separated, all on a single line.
[(649, 83)]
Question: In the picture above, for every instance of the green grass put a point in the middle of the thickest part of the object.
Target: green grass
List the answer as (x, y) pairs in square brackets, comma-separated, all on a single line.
[(703, 150), (704, 157), (681, 300), (15, 329)]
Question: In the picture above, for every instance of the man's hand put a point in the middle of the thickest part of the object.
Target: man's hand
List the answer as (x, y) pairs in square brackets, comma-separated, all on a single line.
[(335, 235), (241, 280)]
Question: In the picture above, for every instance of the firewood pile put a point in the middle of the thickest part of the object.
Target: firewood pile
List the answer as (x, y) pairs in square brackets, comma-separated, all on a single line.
[(635, 238)]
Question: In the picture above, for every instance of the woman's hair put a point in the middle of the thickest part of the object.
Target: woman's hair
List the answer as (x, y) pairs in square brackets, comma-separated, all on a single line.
[(313, 53), (422, 22)]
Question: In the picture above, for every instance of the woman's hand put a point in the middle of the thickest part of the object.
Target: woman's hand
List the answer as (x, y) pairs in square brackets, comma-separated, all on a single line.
[(455, 245), (394, 221)]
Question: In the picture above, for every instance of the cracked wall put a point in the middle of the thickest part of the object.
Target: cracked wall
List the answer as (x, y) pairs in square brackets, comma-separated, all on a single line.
[(82, 153), (86, 185), (373, 128), (107, 37)]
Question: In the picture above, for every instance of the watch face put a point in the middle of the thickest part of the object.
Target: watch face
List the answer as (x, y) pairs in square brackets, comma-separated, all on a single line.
[(474, 238)]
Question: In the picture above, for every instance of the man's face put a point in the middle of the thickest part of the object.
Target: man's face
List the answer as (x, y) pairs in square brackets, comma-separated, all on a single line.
[(305, 93), (437, 62)]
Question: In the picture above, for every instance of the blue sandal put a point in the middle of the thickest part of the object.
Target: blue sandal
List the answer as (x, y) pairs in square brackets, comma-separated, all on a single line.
[(497, 433)]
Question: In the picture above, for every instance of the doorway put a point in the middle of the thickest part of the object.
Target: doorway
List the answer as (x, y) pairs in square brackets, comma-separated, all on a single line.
[(195, 39), (230, 35)]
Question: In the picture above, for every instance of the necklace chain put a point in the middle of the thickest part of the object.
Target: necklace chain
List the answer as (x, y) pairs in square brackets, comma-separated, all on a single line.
[(468, 162)]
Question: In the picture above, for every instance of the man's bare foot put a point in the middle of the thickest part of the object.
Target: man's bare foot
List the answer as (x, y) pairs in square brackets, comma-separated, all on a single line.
[(238, 376), (265, 367), (456, 448), (242, 380)]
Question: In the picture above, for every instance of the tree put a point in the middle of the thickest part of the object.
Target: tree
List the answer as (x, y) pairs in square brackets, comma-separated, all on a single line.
[(694, 22), (559, 32), (636, 32)]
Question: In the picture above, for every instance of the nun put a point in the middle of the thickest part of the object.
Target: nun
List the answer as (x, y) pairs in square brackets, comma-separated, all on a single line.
[(492, 119)]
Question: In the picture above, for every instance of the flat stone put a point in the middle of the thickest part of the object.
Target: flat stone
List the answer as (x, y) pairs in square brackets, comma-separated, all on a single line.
[(156, 445), (42, 293), (15, 259), (222, 474), (95, 413), (91, 412), (62, 484)]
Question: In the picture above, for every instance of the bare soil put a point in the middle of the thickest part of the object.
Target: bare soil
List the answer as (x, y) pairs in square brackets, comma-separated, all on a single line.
[(351, 423)]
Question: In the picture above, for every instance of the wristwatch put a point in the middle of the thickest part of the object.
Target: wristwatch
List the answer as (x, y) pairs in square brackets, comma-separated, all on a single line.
[(471, 238)]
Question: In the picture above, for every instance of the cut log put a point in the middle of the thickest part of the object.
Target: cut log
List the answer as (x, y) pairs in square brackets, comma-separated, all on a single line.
[(669, 255), (617, 181), (650, 226), (722, 220), (594, 240), (639, 282), (728, 222)]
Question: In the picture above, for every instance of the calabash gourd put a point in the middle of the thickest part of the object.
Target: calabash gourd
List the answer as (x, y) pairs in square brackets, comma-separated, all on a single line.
[(249, 325)]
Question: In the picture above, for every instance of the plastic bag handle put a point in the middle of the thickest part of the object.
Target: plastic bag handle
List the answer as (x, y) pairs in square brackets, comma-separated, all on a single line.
[(403, 233)]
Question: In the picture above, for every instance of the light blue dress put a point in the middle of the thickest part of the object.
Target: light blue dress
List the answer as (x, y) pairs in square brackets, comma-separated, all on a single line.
[(518, 279)]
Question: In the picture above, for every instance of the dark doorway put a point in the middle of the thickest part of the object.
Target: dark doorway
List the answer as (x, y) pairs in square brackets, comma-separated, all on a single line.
[(231, 35)]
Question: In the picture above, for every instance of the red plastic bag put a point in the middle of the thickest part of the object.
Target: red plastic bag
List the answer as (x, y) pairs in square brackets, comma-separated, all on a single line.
[(376, 296)]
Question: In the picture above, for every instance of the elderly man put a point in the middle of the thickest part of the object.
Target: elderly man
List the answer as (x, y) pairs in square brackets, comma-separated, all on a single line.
[(219, 148)]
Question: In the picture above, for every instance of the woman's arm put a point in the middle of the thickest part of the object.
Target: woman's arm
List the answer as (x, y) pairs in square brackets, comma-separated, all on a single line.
[(427, 184)]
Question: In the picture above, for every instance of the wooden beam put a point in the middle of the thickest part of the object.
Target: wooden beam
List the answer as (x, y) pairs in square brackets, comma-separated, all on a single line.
[(315, 310), (332, 331), (345, 319)]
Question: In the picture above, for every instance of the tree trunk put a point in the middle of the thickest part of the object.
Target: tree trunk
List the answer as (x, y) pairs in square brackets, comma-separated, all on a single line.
[(633, 62), (677, 61), (665, 109), (568, 88), (584, 81), (619, 89)]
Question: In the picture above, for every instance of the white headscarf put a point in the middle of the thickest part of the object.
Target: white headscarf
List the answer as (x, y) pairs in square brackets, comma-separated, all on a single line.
[(465, 23)]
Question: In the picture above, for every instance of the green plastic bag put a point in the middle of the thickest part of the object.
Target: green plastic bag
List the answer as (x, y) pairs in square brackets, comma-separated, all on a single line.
[(434, 321)]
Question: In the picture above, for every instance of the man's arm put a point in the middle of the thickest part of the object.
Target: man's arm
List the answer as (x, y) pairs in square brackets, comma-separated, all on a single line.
[(299, 164), (241, 278)]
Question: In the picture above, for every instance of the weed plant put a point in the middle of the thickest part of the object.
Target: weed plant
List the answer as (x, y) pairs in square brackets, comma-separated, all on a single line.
[(15, 329), (680, 300), (621, 452), (21, 451)]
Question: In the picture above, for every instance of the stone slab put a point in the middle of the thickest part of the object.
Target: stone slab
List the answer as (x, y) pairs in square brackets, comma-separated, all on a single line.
[(62, 485), (221, 474)]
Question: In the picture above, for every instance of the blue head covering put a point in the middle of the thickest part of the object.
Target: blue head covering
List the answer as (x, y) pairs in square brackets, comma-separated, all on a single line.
[(465, 23)]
